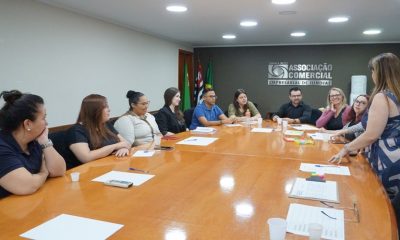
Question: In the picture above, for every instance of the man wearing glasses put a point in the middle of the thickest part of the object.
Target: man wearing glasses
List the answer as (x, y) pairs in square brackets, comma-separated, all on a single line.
[(294, 111), (207, 113)]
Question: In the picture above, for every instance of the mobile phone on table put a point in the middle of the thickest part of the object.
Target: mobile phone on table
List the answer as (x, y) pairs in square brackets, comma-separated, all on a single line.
[(163, 148), (118, 183)]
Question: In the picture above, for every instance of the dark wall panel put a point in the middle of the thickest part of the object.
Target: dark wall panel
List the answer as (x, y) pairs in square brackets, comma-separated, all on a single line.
[(247, 67)]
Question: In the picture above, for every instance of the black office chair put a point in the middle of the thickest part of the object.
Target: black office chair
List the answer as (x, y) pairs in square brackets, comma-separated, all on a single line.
[(58, 139), (187, 115), (315, 114)]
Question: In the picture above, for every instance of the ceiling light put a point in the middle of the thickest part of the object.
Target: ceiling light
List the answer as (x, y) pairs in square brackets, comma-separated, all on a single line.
[(283, 1), (229, 36), (298, 34), (338, 19), (248, 23), (176, 8), (372, 32)]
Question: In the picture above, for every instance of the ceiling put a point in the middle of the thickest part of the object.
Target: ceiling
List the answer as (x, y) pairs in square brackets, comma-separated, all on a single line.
[(205, 21)]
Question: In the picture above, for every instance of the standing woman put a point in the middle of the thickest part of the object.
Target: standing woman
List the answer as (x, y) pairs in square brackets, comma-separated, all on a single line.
[(91, 137), (170, 118), (27, 156), (137, 126), (331, 118), (242, 109), (382, 126)]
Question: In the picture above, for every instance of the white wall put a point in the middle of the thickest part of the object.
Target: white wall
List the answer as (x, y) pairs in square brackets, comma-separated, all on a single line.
[(63, 56)]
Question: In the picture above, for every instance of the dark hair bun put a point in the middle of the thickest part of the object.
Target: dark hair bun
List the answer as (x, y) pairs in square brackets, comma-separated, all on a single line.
[(10, 96), (131, 94)]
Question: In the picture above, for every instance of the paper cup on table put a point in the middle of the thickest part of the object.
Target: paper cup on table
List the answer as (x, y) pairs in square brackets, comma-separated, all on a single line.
[(259, 122), (284, 125), (277, 228), (279, 121), (326, 137), (75, 177), (314, 231), (157, 140)]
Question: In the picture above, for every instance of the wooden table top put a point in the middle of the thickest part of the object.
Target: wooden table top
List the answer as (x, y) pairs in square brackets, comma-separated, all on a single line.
[(226, 190)]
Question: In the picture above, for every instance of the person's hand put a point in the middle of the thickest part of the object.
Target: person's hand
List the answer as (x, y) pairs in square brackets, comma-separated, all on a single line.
[(43, 138), (122, 152), (122, 144), (275, 118), (227, 121), (332, 108), (338, 157), (289, 120)]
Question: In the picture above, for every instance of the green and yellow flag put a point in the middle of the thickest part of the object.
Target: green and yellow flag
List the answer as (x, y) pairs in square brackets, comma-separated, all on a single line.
[(209, 76), (186, 90)]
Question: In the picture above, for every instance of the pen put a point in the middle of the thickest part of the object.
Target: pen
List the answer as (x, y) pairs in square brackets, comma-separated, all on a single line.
[(317, 165), (137, 169), (328, 215)]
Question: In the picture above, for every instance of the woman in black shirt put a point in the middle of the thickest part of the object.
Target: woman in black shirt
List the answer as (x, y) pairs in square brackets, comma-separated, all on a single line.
[(170, 118)]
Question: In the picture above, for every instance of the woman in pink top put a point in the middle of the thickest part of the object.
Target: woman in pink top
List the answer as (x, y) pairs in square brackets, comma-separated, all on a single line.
[(331, 118)]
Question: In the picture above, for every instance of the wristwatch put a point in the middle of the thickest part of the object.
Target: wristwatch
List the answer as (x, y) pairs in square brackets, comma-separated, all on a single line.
[(48, 144)]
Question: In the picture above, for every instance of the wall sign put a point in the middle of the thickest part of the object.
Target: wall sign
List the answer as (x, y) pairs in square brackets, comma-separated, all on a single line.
[(283, 73)]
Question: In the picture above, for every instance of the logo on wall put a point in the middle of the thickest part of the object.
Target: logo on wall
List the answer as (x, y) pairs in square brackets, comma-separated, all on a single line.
[(283, 73)]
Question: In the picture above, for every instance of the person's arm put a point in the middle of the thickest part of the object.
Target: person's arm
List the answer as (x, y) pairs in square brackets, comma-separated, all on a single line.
[(162, 122), (306, 117), (377, 119), (125, 127), (224, 119), (203, 120), (344, 115), (324, 119), (21, 182), (84, 154), (55, 163), (231, 111), (348, 130), (280, 113), (124, 151), (254, 111)]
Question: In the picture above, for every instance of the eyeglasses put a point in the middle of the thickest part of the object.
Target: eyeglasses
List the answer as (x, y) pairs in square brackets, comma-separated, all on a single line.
[(213, 96), (354, 209), (295, 96), (144, 103), (360, 102), (335, 96)]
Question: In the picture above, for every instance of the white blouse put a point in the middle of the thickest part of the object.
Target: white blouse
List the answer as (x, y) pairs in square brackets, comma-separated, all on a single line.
[(136, 130)]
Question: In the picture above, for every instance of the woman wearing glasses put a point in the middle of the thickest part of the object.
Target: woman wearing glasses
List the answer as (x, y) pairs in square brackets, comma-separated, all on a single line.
[(381, 138), (353, 127), (331, 118), (137, 126)]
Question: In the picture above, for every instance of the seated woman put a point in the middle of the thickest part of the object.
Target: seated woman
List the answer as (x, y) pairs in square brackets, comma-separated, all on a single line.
[(170, 118), (352, 119), (331, 118), (91, 137), (241, 109), (137, 126), (27, 156)]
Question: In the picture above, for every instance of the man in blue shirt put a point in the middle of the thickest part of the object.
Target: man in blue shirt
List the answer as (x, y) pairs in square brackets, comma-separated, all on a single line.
[(207, 113)]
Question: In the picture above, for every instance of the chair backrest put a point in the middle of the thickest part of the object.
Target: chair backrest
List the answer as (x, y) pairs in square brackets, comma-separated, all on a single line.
[(58, 139), (187, 115), (315, 114)]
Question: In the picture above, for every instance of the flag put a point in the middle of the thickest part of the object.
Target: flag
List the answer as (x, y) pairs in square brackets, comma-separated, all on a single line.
[(199, 85), (186, 90), (209, 76)]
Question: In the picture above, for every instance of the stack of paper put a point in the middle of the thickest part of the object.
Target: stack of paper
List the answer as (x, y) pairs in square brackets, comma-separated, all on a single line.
[(323, 191), (320, 136), (204, 130), (332, 220), (325, 169)]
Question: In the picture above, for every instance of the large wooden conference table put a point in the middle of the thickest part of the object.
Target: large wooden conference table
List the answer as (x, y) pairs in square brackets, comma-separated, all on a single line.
[(226, 190)]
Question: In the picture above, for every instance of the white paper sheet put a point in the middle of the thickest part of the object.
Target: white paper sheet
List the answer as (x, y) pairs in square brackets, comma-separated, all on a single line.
[(262, 130), (233, 125), (136, 178), (325, 169), (322, 191), (293, 132), (304, 127), (66, 227), (320, 136), (299, 216), (197, 141), (143, 153), (204, 130)]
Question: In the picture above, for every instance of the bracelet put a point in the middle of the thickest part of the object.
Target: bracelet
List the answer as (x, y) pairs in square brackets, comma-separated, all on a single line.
[(46, 145)]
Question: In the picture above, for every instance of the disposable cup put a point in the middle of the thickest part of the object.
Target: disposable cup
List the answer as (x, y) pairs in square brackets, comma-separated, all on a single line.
[(259, 122), (75, 176), (277, 228), (314, 231), (157, 140)]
